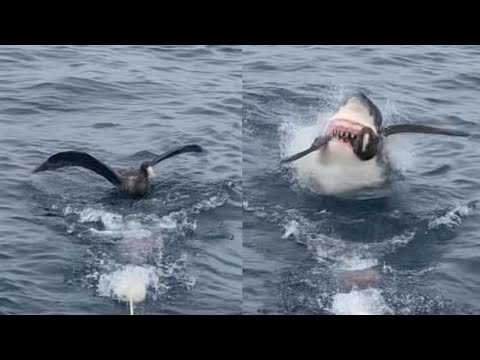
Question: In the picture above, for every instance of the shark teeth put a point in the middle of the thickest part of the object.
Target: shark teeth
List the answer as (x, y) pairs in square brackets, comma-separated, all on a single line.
[(343, 135)]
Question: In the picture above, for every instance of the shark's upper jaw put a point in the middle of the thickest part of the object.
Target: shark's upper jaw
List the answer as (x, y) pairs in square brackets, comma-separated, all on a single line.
[(342, 132)]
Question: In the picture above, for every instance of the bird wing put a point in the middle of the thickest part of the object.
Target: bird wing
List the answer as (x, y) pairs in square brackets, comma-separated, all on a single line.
[(174, 152), (420, 129), (317, 144), (74, 158)]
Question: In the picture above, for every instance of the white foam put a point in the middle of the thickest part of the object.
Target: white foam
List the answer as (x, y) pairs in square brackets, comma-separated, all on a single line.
[(360, 302), (246, 206), (356, 263), (401, 153), (138, 237), (166, 222), (299, 139), (138, 225), (70, 228), (355, 256), (209, 204), (111, 221), (129, 284), (346, 255), (451, 218), (290, 229), (68, 210)]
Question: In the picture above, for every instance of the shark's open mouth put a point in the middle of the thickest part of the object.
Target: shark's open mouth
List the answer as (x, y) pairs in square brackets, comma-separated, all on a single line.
[(360, 139), (343, 130)]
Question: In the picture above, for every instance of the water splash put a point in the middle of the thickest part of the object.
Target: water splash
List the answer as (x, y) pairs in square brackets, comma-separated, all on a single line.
[(453, 217), (360, 302), (128, 284)]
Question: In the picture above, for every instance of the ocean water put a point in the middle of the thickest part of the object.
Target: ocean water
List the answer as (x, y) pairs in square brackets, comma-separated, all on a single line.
[(422, 240), (69, 243)]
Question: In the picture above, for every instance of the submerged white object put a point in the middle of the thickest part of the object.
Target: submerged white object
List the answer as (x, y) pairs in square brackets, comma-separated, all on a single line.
[(129, 284), (360, 302)]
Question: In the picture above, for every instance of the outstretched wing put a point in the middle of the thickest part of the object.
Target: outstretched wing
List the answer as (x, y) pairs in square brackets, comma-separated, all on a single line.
[(420, 129), (174, 152), (74, 158), (317, 144)]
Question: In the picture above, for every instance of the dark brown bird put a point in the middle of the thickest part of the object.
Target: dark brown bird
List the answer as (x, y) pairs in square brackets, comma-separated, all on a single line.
[(134, 182)]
